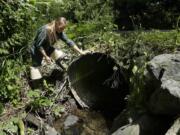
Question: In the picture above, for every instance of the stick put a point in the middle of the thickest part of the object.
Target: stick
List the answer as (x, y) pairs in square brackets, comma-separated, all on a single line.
[(59, 91)]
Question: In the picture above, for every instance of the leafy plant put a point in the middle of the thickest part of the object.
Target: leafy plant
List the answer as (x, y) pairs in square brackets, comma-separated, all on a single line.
[(41, 102), (10, 126), (37, 100), (1, 108), (15, 26), (33, 94), (135, 14), (10, 81), (57, 110)]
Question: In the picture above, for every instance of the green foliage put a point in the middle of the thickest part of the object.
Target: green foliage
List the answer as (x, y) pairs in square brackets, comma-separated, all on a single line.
[(137, 87), (21, 127), (132, 50), (10, 85), (37, 100), (33, 94), (80, 31), (133, 14), (15, 26), (32, 2), (86, 13), (137, 50), (48, 87), (10, 126), (57, 110), (41, 102), (88, 10), (42, 15), (89, 24), (1, 108)]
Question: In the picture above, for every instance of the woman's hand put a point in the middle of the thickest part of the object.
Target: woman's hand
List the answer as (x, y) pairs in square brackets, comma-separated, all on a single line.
[(85, 52), (80, 51), (48, 59)]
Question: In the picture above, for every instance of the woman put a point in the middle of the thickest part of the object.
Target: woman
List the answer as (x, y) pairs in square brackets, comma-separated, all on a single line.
[(43, 43)]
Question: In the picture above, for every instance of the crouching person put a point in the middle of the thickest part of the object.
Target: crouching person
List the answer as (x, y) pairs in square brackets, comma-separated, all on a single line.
[(42, 47)]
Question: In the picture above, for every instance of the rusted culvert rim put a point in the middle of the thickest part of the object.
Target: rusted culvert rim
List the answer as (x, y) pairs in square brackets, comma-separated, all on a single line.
[(97, 82)]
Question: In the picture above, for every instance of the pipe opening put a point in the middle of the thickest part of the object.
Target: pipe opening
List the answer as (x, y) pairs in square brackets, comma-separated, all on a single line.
[(99, 82)]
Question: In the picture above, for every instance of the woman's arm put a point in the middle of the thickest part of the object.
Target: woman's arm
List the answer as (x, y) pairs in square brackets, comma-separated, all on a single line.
[(47, 58), (69, 42), (40, 40), (79, 50)]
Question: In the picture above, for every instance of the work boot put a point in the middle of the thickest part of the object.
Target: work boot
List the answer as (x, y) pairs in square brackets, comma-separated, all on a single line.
[(36, 84), (35, 78)]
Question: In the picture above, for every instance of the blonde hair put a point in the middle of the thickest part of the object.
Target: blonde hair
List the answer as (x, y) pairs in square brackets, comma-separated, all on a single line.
[(51, 31), (62, 20)]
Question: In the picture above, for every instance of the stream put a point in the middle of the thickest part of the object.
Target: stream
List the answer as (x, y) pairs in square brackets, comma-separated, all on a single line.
[(82, 122)]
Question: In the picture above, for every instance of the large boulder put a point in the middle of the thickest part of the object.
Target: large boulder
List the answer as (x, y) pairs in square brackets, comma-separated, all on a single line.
[(163, 84), (175, 128), (126, 117), (139, 124)]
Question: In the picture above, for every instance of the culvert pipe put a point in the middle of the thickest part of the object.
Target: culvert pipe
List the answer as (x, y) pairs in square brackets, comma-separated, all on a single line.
[(98, 81)]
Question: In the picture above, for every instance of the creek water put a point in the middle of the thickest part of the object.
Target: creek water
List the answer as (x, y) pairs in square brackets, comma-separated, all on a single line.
[(83, 123)]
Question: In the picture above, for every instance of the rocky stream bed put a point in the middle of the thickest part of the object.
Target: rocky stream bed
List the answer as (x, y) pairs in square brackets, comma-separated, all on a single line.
[(92, 100)]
